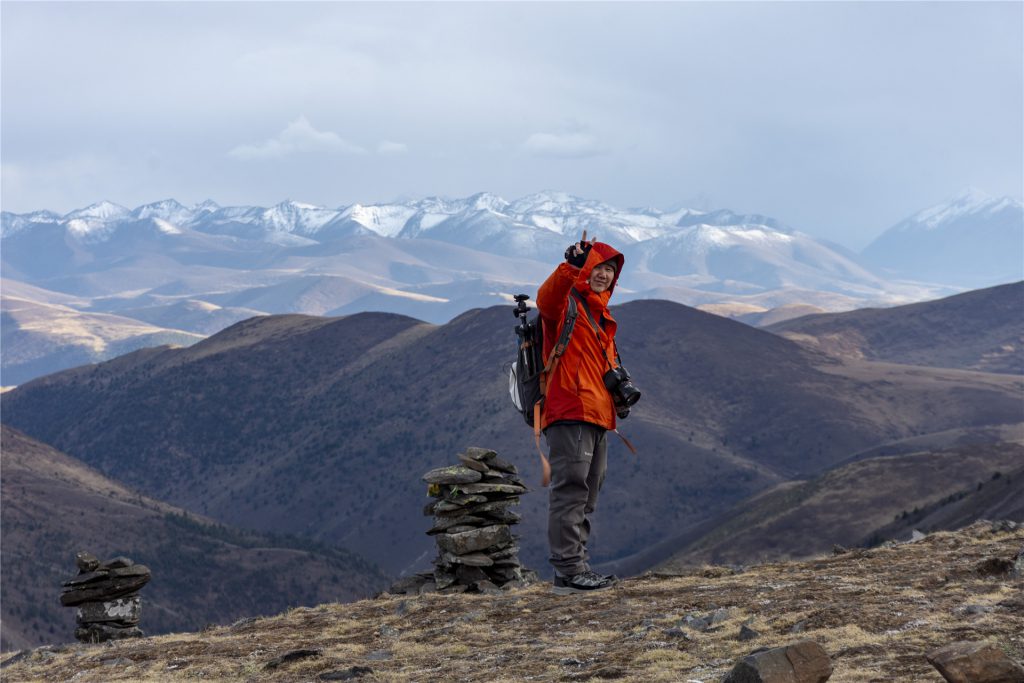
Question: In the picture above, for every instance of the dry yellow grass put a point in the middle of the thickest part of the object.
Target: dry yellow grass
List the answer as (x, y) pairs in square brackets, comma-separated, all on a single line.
[(875, 612)]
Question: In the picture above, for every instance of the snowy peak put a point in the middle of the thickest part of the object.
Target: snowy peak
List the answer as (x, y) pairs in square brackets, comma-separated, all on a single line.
[(295, 217), (971, 201), (485, 201), (103, 211), (386, 220), (167, 210)]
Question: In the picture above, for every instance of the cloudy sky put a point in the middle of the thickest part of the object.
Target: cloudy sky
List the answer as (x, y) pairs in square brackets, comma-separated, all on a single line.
[(836, 118)]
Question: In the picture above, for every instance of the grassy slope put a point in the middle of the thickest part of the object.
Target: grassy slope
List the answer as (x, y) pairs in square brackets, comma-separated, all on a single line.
[(876, 612)]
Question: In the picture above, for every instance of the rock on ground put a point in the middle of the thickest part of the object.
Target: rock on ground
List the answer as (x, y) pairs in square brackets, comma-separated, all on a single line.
[(802, 662), (978, 662)]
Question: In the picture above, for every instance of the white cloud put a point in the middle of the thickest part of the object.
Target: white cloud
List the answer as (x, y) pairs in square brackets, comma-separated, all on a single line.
[(389, 147), (299, 136), (571, 145)]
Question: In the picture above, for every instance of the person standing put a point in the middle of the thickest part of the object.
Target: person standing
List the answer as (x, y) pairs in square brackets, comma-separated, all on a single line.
[(578, 409)]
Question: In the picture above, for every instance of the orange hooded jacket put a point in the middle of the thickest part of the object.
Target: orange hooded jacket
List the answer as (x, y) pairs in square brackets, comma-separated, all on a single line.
[(576, 390)]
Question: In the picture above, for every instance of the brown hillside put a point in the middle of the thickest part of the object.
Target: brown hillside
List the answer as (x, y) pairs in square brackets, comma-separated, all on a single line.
[(877, 613), (203, 573), (323, 426), (977, 330), (845, 505)]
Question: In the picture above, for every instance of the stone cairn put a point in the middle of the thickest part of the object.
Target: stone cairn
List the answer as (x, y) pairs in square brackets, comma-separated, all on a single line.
[(477, 551), (107, 597)]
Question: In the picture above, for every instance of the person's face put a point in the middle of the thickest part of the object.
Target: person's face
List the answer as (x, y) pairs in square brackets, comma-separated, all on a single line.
[(601, 277)]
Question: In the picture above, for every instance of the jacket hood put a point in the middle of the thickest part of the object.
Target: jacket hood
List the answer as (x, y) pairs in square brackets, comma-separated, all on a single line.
[(599, 253)]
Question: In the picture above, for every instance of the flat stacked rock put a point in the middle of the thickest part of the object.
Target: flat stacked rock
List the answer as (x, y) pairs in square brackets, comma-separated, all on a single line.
[(107, 597), (477, 551)]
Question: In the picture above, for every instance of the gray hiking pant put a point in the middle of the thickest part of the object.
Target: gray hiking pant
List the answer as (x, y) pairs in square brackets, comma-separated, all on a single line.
[(579, 458)]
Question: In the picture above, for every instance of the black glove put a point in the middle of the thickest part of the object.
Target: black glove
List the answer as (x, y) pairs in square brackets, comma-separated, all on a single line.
[(576, 254)]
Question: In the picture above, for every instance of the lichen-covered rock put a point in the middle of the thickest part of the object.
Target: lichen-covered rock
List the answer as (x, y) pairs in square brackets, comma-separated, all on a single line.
[(453, 474), (975, 662), (124, 611)]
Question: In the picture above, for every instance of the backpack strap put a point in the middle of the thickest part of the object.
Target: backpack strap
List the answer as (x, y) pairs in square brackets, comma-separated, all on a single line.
[(571, 314)]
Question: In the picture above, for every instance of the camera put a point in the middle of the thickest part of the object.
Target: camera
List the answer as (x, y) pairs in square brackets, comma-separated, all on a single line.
[(624, 392)]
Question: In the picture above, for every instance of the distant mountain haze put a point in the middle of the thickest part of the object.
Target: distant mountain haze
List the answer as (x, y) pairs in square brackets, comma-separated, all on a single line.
[(323, 426), (203, 572), (199, 269), (973, 241)]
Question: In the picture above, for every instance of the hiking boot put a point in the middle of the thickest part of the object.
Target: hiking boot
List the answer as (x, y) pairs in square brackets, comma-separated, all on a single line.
[(584, 582)]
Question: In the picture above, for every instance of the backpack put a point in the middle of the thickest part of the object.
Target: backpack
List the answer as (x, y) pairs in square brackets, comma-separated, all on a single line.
[(525, 377)]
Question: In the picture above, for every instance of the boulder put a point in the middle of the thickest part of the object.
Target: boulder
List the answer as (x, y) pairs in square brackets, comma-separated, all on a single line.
[(453, 474), (975, 662), (802, 662), (477, 539)]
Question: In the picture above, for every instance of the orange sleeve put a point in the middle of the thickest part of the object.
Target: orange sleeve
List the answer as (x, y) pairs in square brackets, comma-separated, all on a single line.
[(552, 294)]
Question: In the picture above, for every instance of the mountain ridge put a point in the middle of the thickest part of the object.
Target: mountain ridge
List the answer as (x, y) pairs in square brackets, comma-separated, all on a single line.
[(348, 412)]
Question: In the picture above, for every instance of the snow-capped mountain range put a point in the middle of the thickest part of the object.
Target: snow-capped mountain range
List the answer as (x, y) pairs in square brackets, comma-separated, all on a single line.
[(199, 268)]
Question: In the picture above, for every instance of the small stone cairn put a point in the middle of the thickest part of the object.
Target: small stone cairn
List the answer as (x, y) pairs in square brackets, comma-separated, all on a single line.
[(107, 597), (477, 551)]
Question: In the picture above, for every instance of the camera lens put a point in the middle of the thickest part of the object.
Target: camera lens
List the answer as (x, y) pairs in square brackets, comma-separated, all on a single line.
[(629, 393)]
